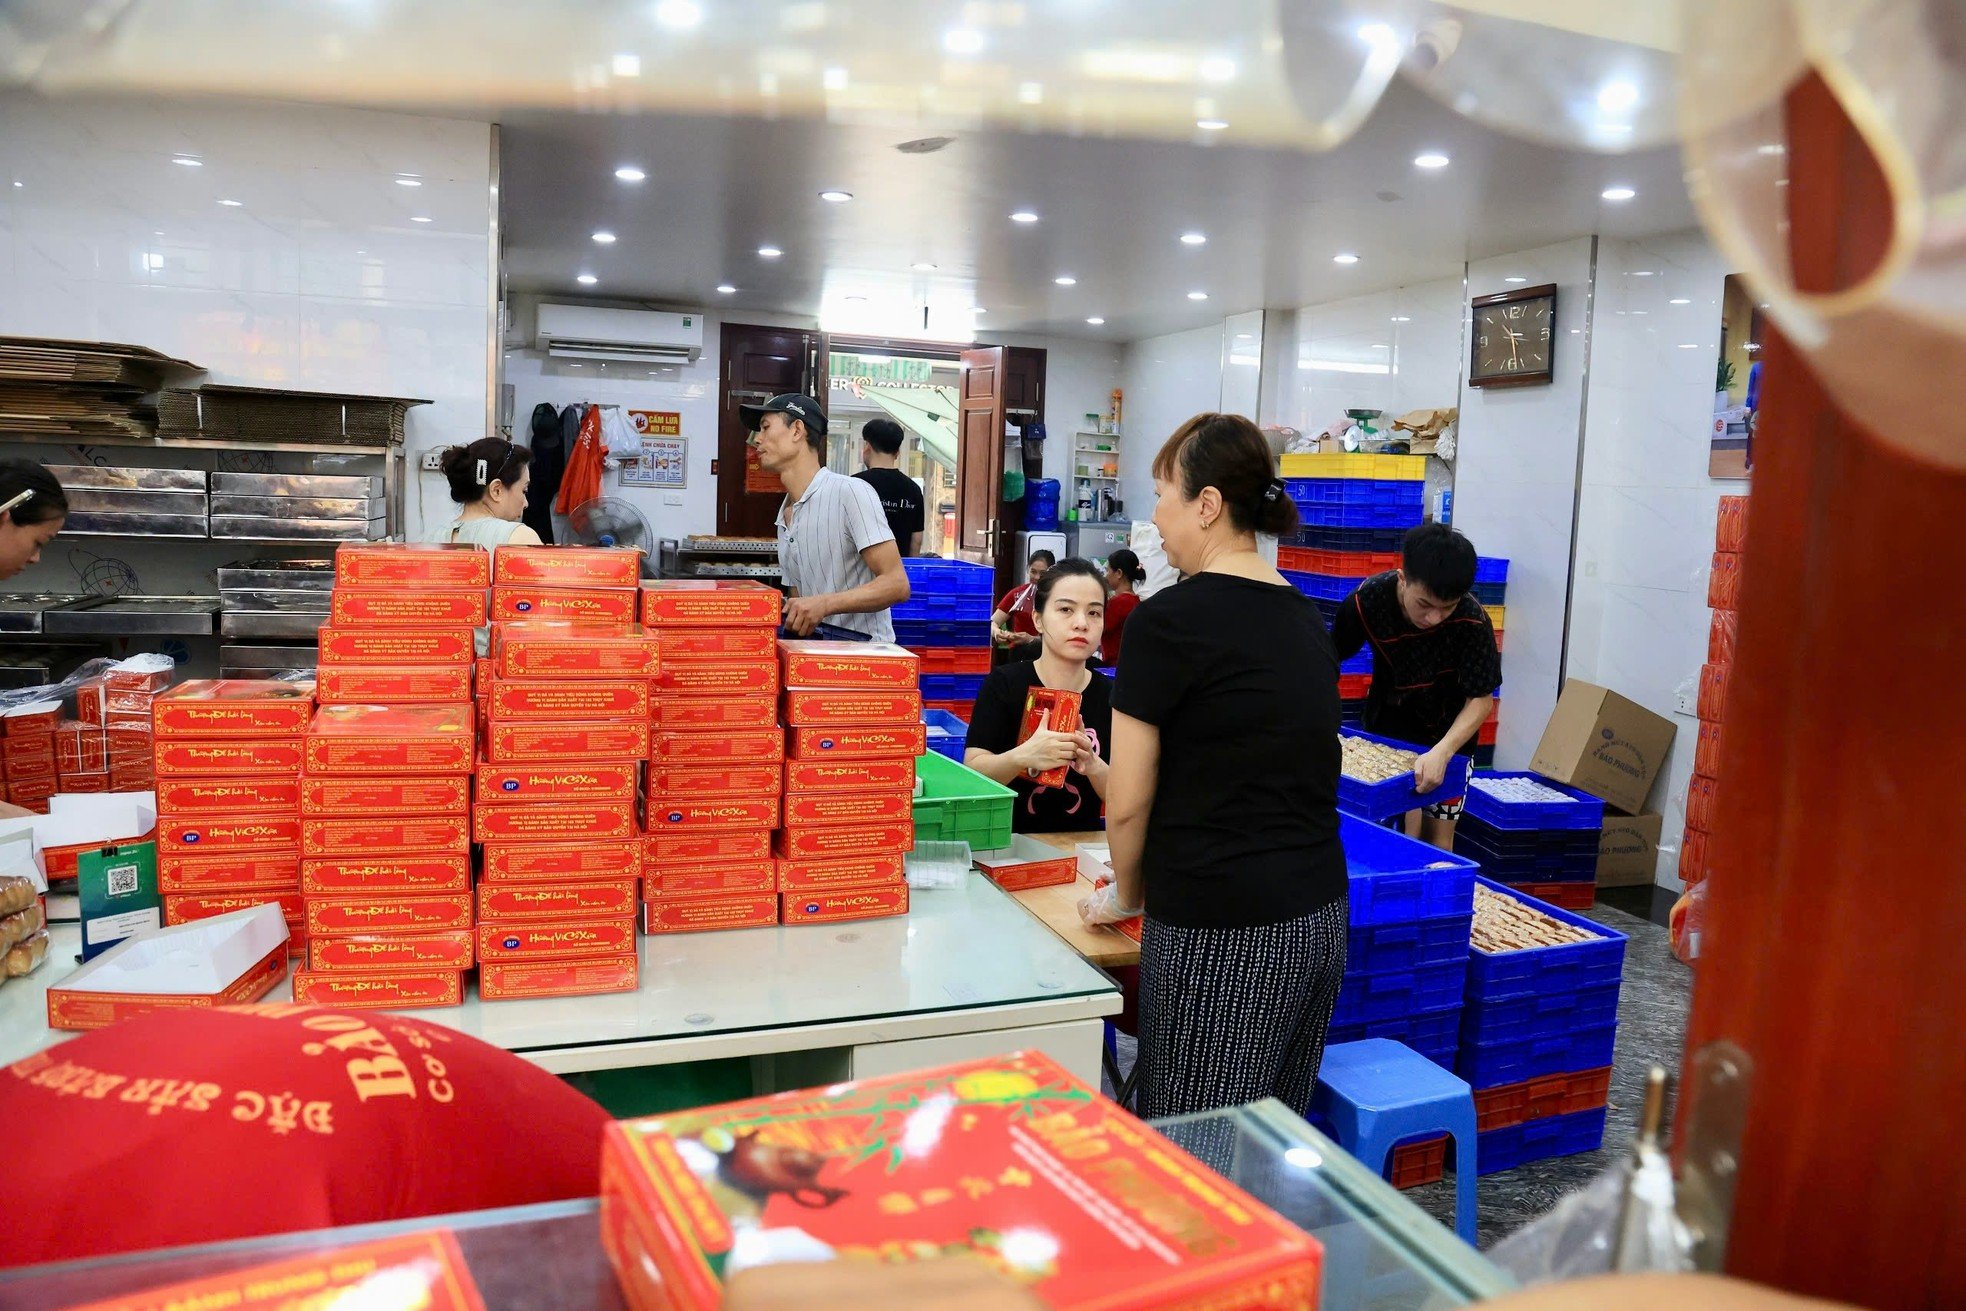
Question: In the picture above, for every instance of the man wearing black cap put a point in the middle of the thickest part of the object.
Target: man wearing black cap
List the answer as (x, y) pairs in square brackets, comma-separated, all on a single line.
[(836, 553)]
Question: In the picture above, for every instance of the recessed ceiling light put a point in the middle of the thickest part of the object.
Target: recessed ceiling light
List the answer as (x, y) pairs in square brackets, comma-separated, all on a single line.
[(835, 197), (1679, 300), (414, 218), (922, 266), (769, 252), (629, 173), (1030, 93), (1095, 320), (604, 238), (586, 280), (1217, 69), (678, 15), (627, 65), (1066, 280), (1024, 216), (1211, 124), (189, 161), (1197, 295), (1639, 314), (1378, 34), (1617, 97), (1194, 238), (976, 309), (409, 182), (1618, 193), (1344, 258), (1380, 346), (229, 204), (1515, 279), (1432, 159), (1643, 273), (856, 300), (962, 41), (1402, 318), (1689, 345)]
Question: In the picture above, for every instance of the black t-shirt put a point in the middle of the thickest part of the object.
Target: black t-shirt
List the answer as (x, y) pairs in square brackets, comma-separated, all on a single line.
[(1421, 678), (1239, 677), (901, 501), (995, 724)]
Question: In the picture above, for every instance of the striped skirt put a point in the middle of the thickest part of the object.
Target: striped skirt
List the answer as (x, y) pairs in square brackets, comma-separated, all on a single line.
[(1229, 1016)]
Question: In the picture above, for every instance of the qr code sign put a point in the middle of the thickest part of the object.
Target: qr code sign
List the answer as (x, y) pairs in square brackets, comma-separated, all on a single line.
[(122, 879)]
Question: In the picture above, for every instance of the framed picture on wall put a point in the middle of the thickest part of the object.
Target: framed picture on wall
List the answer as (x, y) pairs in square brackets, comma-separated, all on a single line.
[(1736, 382)]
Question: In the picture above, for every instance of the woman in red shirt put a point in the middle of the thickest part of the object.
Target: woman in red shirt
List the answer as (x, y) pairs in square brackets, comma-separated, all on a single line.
[(1122, 572), (1013, 628)]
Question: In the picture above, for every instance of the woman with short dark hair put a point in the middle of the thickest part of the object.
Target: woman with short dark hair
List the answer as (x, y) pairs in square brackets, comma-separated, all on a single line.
[(488, 480), (33, 509)]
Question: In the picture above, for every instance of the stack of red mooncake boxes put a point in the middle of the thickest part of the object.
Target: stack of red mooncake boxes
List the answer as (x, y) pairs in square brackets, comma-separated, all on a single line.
[(229, 757), (108, 746), (716, 756), (29, 754), (386, 791), (565, 708), (853, 713)]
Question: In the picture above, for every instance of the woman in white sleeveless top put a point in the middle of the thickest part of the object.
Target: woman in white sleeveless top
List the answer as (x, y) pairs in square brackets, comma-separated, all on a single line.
[(488, 480)]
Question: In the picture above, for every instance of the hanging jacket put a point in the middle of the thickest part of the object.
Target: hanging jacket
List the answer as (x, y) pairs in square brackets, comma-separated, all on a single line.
[(582, 482), (549, 463)]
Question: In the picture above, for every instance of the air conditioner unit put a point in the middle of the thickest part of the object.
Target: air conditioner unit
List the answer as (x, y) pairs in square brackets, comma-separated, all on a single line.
[(586, 332)]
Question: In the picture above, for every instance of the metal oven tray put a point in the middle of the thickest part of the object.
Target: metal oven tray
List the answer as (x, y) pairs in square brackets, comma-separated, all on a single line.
[(97, 500), (21, 613), (309, 603), (296, 484), (119, 616), (276, 575), (269, 623), (117, 524), (234, 656), (124, 478), (298, 530), (294, 507)]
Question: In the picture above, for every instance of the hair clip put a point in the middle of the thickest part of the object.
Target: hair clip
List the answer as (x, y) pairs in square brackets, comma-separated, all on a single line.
[(1274, 490), (484, 474), (19, 498)]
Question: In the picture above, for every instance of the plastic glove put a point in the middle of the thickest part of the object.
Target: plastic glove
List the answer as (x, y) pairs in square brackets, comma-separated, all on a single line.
[(1103, 907)]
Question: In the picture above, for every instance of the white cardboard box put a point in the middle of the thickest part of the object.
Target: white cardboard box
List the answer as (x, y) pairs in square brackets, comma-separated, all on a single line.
[(222, 961)]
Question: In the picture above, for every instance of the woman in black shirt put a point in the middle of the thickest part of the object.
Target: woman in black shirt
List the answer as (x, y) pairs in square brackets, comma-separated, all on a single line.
[(1222, 809), (1069, 607)]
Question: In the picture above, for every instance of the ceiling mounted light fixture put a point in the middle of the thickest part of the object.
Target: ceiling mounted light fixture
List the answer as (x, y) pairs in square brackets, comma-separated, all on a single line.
[(1344, 257), (604, 238), (922, 266), (1431, 159), (1095, 321), (1402, 318), (414, 218), (962, 41), (189, 161), (833, 79), (1066, 280), (1024, 216), (627, 65), (1617, 97), (1618, 193), (229, 204), (725, 289), (679, 15), (1515, 279), (769, 252), (1218, 68), (1194, 238), (834, 196), (629, 173), (1679, 300), (586, 279), (1211, 124), (1197, 295)]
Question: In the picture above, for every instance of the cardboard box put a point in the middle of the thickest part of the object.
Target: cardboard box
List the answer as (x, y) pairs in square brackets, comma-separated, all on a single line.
[(387, 564), (36, 719), (1057, 710), (189, 908), (541, 862), (265, 832), (822, 875), (735, 878), (1028, 863), (818, 808), (423, 1270), (573, 743), (371, 953), (559, 566), (180, 757), (555, 821), (230, 871), (710, 603), (512, 980), (80, 749), (561, 700), (806, 841), (871, 903), (224, 961), (1125, 1218), (385, 647), (696, 714), (849, 664), (133, 778), (32, 758), (345, 797), (385, 875), (808, 707), (710, 914), (385, 835), (908, 740), (756, 745), (547, 648), (1714, 679), (722, 679), (395, 990), (500, 785), (406, 607), (574, 940), (1606, 744), (697, 646), (84, 783), (225, 796), (506, 902), (585, 605), (234, 707), (702, 847), (707, 812), (892, 773), (393, 685), (438, 913), (1628, 850), (667, 781), (389, 740)]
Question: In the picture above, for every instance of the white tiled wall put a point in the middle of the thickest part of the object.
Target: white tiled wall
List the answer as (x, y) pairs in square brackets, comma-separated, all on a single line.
[(318, 279), (1394, 350), (1646, 521), (1168, 380)]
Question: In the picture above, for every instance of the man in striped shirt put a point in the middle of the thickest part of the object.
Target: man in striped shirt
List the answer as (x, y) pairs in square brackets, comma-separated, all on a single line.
[(836, 554)]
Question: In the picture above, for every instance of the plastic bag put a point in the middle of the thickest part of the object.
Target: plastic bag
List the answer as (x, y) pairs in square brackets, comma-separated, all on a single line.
[(1687, 921), (933, 865)]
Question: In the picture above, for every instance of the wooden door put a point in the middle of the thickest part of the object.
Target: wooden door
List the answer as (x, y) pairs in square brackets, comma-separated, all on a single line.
[(979, 455), (1023, 398), (759, 363)]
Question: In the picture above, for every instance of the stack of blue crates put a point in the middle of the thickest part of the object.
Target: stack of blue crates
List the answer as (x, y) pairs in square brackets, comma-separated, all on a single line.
[(1545, 844), (1537, 1040), (1407, 948), (1491, 588), (948, 606), (1349, 514)]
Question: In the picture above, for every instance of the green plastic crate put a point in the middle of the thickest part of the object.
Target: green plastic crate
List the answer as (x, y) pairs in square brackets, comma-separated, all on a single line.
[(958, 804)]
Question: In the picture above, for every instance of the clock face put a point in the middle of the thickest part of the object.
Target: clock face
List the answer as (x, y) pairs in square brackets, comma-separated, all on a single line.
[(1513, 340)]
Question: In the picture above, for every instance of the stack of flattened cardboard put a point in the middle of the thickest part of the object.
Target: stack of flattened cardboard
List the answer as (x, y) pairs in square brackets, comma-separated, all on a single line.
[(277, 414), (80, 390)]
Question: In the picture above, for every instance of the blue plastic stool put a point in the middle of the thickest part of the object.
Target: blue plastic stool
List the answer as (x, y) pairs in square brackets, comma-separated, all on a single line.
[(1376, 1093)]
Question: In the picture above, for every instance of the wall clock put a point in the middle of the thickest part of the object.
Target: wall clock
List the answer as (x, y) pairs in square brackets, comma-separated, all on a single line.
[(1514, 338)]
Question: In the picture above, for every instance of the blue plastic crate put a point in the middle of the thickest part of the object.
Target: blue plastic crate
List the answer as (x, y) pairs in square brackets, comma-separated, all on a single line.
[(1322, 538), (1539, 1140), (1389, 994), (1576, 968), (1484, 755), (1356, 491), (1491, 593), (1357, 664), (1398, 517), (1436, 1035), (1524, 866), (1528, 1015), (944, 609), (1491, 1064), (1396, 796), (962, 632), (932, 576), (1416, 944), (947, 735), (1529, 841), (1491, 569), (1321, 587), (1351, 714), (1581, 811), (951, 687), (1395, 879)]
